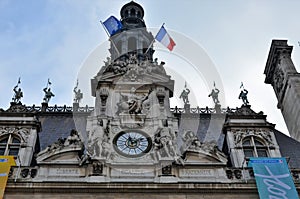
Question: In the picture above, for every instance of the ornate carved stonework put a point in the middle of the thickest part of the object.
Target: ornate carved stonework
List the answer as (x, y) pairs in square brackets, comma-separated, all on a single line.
[(192, 144), (23, 133), (16, 108), (70, 144), (278, 79), (246, 110), (239, 136)]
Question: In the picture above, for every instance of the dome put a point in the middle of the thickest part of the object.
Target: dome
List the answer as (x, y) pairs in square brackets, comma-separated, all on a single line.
[(132, 10)]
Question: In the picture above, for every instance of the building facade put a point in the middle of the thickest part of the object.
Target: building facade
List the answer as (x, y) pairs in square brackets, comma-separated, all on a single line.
[(132, 144)]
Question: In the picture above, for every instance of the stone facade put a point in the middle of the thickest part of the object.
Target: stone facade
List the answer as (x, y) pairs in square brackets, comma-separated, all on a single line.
[(132, 144), (285, 80)]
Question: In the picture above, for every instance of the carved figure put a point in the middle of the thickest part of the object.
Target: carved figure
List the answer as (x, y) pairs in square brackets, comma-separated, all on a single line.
[(73, 138), (57, 145), (106, 148), (133, 59), (243, 96), (185, 95), (214, 94), (163, 143), (107, 62), (133, 103), (78, 94), (191, 141), (18, 93), (48, 93)]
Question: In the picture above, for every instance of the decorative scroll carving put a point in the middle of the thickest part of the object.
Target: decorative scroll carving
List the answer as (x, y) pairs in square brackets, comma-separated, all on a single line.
[(22, 133), (263, 135)]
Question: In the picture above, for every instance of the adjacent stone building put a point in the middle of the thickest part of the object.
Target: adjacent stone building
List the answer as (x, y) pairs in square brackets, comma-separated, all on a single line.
[(285, 80), (132, 144)]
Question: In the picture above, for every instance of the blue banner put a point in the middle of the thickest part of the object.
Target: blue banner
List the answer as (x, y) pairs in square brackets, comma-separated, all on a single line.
[(273, 178)]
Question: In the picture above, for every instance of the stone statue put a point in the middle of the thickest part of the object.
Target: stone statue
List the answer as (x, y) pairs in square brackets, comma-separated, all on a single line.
[(48, 93), (73, 138), (191, 142), (214, 94), (132, 102), (78, 94), (163, 143), (18, 93), (243, 96), (185, 95), (57, 145), (107, 62)]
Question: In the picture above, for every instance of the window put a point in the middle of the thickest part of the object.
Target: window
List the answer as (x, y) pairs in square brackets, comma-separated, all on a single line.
[(9, 145), (254, 148)]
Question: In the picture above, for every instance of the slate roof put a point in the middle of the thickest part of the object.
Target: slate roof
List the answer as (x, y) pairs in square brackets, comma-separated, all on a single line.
[(289, 148), (207, 126), (56, 126)]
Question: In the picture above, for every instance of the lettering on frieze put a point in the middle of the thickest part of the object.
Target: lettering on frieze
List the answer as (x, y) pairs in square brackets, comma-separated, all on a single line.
[(64, 172), (196, 172), (132, 172)]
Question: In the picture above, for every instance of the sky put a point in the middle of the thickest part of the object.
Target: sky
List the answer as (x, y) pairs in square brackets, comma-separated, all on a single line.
[(56, 38)]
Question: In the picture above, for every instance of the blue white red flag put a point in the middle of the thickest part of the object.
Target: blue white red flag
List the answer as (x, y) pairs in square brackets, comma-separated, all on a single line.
[(164, 38), (112, 25)]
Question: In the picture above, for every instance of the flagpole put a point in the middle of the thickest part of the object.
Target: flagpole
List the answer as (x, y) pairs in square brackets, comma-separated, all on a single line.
[(153, 40), (150, 46), (110, 38)]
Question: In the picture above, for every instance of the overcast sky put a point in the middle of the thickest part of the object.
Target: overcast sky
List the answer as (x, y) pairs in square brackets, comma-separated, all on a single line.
[(54, 38)]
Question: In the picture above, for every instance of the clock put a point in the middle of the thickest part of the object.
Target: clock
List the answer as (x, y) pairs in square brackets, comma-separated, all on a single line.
[(132, 143)]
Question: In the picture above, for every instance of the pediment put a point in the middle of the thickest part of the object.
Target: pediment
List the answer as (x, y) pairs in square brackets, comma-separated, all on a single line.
[(67, 155), (204, 158)]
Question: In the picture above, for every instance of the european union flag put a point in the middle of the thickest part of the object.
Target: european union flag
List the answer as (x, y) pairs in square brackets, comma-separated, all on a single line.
[(112, 25)]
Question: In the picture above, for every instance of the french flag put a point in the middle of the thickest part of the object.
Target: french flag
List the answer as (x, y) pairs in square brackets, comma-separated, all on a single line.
[(164, 38)]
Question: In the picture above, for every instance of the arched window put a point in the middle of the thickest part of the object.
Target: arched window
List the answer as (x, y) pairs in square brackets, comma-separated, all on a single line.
[(131, 44), (254, 148), (9, 145)]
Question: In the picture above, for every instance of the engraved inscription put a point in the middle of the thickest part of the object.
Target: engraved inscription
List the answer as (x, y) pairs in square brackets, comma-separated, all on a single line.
[(132, 172), (64, 172), (196, 172)]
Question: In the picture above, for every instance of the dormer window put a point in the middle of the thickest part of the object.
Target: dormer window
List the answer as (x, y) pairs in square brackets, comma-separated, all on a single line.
[(9, 145), (253, 147)]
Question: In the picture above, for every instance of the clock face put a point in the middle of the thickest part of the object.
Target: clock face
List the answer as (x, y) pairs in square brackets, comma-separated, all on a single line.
[(132, 143)]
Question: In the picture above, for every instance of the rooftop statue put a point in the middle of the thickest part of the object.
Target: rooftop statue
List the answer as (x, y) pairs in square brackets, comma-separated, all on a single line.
[(185, 95), (78, 94), (48, 93), (243, 95), (18, 93), (214, 94)]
